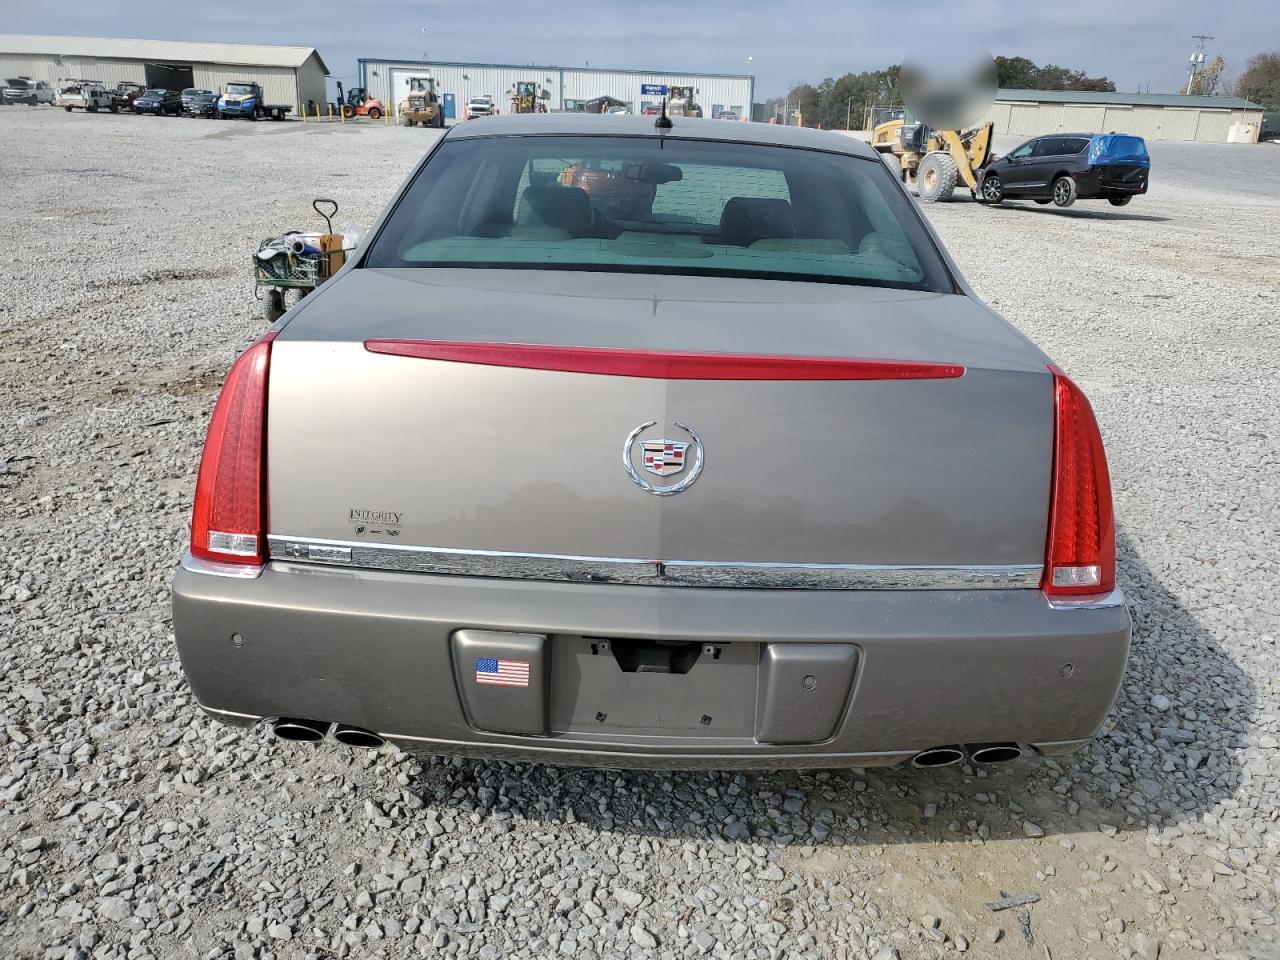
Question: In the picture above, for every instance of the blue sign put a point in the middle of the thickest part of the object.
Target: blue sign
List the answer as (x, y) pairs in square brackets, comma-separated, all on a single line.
[(653, 89)]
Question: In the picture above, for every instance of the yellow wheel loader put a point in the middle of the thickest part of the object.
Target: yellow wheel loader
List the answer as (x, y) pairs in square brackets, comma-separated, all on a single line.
[(933, 162), (680, 102), (422, 105), (528, 98)]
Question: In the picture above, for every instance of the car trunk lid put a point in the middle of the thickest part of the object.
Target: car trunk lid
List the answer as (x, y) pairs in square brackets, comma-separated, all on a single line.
[(516, 462)]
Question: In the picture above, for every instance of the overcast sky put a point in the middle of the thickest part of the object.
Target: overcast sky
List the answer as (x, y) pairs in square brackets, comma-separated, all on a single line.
[(1133, 42)]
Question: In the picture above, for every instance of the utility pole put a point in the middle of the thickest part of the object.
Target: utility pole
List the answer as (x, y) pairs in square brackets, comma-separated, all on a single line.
[(1197, 60)]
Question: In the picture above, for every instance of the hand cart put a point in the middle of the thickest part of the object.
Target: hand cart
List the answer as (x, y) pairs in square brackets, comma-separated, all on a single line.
[(297, 262)]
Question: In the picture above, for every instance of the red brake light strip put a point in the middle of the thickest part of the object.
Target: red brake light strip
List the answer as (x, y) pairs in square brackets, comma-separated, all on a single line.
[(609, 361)]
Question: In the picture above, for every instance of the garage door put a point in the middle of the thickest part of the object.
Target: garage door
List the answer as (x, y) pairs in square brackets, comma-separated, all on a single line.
[(1214, 126), (1084, 118), (1024, 119), (1147, 122), (1116, 120), (1179, 124), (169, 76)]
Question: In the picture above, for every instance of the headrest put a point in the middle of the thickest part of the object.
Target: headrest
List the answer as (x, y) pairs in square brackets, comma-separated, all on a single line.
[(551, 205), (748, 219)]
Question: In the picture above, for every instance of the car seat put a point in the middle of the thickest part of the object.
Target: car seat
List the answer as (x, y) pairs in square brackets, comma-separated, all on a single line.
[(748, 219)]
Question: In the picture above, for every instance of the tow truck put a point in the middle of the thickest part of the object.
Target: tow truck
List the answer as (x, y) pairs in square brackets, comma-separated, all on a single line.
[(243, 98)]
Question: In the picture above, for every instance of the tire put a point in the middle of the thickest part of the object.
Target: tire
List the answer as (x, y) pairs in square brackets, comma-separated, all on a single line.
[(992, 189), (375, 114), (1064, 192), (894, 165), (68, 109), (92, 109), (1120, 201), (405, 120), (1042, 201), (438, 121), (348, 111), (114, 108), (273, 305), (936, 178)]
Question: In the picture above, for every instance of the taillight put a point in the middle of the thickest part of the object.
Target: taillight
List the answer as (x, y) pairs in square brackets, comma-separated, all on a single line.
[(1081, 555), (228, 523)]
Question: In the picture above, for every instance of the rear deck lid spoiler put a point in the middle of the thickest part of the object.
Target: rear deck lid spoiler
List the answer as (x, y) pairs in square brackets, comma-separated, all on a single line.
[(668, 365)]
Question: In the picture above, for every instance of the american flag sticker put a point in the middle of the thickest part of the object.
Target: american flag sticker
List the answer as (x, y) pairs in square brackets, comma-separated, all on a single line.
[(502, 673)]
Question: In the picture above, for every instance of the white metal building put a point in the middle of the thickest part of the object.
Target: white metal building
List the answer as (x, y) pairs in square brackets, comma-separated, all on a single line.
[(457, 83), (289, 75), (1153, 116)]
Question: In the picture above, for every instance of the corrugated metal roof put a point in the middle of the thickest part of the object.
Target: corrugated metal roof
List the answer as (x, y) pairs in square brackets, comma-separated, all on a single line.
[(1129, 99), (161, 51), (382, 61)]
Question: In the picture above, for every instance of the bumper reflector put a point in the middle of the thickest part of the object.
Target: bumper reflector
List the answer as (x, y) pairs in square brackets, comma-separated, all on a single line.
[(1090, 576)]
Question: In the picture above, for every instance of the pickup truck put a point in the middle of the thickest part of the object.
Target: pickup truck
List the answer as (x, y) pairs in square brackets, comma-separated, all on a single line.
[(87, 95), (480, 107), (25, 90), (126, 94), (242, 98)]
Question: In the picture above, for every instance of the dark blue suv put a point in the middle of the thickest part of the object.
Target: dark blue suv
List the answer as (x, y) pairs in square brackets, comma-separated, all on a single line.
[(1062, 168)]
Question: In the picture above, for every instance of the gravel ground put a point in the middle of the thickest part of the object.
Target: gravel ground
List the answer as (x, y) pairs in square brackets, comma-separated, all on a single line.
[(131, 826)]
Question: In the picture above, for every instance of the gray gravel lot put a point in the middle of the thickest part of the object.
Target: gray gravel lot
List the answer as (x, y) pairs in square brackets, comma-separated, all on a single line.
[(131, 826)]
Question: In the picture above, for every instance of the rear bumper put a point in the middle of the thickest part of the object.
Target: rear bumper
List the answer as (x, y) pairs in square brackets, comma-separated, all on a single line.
[(1095, 182), (378, 650)]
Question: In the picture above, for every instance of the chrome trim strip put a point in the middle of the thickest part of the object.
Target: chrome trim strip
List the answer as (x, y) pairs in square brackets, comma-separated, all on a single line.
[(676, 573), (240, 571), (1113, 599), (232, 714)]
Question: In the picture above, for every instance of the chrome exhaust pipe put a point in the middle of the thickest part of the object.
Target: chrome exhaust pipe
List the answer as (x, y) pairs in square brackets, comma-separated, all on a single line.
[(357, 737), (299, 731), (993, 752), (938, 757)]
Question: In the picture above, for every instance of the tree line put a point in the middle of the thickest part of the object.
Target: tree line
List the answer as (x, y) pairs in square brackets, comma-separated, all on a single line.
[(848, 102)]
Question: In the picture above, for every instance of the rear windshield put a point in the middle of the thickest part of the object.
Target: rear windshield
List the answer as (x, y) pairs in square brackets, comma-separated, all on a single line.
[(1118, 148), (645, 205)]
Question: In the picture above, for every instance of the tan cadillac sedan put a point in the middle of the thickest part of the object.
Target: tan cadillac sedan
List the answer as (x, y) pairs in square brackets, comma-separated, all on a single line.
[(635, 445)]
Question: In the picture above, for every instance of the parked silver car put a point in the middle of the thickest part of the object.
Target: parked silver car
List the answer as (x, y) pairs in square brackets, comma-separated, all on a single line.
[(618, 445)]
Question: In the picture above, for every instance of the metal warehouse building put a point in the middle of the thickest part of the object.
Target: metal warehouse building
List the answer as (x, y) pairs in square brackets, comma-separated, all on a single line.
[(292, 75), (569, 86), (1154, 116)]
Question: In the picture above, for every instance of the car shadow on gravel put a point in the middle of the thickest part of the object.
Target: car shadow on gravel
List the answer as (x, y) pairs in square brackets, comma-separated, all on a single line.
[(1075, 214), (1166, 755)]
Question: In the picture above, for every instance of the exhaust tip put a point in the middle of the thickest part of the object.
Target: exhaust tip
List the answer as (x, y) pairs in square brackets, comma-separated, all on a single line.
[(937, 757), (299, 731), (994, 752), (357, 737)]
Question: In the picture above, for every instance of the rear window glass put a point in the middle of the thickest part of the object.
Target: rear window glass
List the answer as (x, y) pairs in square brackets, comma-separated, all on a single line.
[(641, 204)]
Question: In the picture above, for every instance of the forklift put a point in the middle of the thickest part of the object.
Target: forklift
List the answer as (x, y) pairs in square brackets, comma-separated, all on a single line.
[(358, 104)]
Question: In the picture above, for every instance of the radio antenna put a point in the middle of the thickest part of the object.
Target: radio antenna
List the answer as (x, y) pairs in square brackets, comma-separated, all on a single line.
[(663, 122)]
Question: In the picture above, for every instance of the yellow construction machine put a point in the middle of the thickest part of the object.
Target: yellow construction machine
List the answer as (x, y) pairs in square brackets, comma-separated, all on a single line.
[(422, 105), (528, 98), (680, 102), (934, 162)]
